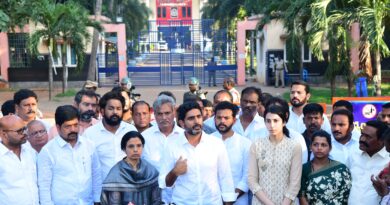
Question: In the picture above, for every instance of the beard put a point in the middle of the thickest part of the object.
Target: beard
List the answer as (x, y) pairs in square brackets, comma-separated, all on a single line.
[(226, 130), (196, 129), (297, 104), (114, 120)]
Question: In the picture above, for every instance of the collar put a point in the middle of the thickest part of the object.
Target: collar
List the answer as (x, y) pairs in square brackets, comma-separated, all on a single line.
[(183, 138), (102, 128), (258, 118), (176, 129), (382, 153), (350, 142), (3, 149), (62, 143)]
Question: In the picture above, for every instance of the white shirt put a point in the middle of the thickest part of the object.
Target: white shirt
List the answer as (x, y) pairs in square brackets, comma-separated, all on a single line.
[(356, 134), (18, 177), (208, 179), (362, 166), (263, 132), (155, 142), (341, 152), (295, 122), (69, 175), (252, 129), (108, 144), (237, 148), (236, 96), (211, 122)]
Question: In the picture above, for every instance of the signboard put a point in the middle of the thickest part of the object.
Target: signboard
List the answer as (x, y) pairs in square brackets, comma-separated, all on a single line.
[(364, 108)]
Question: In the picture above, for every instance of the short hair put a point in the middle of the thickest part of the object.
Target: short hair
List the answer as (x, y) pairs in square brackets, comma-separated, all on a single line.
[(313, 108), (141, 102), (34, 122), (227, 106), (386, 105), (345, 113), (252, 89), (162, 99), (120, 89), (24, 94), (192, 98), (111, 96), (65, 113), (386, 134), (230, 81), (130, 135), (223, 91), (8, 107), (301, 82), (265, 97), (168, 93), (89, 93), (322, 133), (281, 102), (344, 103), (186, 107), (207, 103), (380, 126)]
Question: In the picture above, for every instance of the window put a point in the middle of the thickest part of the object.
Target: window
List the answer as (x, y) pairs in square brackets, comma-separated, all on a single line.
[(18, 52), (184, 12), (305, 53), (164, 12), (159, 12), (71, 60), (188, 11)]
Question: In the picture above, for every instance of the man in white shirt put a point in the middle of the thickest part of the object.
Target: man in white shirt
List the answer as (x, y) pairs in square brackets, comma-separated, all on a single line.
[(156, 137), (68, 166), (195, 164), (366, 162), (313, 119), (37, 135), (346, 105), (219, 96), (343, 144), (18, 173), (26, 106), (228, 84), (107, 134), (249, 120), (299, 96), (141, 115), (237, 147)]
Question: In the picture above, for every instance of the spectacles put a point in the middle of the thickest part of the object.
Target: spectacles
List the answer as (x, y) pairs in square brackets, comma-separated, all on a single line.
[(19, 131), (38, 133)]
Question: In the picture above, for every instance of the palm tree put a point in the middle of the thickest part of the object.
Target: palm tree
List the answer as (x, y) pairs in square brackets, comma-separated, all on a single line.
[(372, 15), (63, 25)]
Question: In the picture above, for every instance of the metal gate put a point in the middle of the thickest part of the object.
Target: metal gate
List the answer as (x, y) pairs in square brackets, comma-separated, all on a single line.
[(170, 52)]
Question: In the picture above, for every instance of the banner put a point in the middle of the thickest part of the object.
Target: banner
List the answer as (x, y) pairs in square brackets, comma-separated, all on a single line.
[(364, 108)]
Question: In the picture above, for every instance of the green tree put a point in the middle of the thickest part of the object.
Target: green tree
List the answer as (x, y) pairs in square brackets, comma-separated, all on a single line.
[(62, 25), (372, 16)]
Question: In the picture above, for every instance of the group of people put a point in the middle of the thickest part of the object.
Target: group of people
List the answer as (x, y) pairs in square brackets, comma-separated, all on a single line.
[(260, 150)]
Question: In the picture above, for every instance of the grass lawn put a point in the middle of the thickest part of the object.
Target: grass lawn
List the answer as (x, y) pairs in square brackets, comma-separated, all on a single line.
[(68, 93), (322, 95)]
